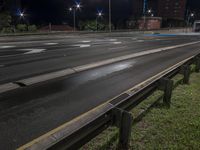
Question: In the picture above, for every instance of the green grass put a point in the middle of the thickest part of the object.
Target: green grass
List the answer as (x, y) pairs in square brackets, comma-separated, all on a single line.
[(177, 128), (174, 128)]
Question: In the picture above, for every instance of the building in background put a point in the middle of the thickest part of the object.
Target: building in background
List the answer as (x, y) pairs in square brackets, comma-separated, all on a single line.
[(151, 23), (172, 12)]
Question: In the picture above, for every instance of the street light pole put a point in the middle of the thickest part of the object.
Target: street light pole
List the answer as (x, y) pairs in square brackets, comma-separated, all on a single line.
[(110, 16), (144, 12), (74, 8), (74, 16)]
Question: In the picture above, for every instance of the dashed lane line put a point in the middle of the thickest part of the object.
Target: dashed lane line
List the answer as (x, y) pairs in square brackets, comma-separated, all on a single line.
[(85, 41), (7, 46), (82, 45), (69, 71), (118, 47), (49, 44), (117, 42)]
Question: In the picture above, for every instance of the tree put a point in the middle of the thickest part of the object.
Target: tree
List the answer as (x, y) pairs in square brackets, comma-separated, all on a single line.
[(5, 20)]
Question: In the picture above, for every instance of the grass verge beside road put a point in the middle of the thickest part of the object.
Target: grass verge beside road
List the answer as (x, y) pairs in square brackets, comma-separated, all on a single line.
[(163, 128)]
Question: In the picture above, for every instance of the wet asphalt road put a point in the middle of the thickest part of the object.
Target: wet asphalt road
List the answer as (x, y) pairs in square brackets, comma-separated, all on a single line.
[(32, 111)]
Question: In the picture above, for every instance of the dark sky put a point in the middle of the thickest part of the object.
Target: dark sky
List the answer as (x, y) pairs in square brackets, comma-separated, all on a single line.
[(56, 11)]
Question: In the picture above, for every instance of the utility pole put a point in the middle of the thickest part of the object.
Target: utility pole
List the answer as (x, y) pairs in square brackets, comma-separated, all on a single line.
[(144, 12), (110, 16), (74, 16)]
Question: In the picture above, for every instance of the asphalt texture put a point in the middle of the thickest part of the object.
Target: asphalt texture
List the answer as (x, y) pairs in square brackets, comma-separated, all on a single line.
[(31, 111)]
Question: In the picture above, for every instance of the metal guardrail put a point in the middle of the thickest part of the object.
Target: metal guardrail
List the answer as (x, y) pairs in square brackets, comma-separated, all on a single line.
[(92, 32), (78, 132)]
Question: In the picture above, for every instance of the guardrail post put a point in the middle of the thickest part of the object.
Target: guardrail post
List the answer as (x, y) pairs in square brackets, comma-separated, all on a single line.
[(185, 71), (123, 120), (166, 85), (197, 64), (125, 130)]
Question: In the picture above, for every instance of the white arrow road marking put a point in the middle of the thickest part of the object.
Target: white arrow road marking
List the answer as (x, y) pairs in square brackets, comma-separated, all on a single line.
[(33, 51), (82, 45), (50, 43), (6, 46)]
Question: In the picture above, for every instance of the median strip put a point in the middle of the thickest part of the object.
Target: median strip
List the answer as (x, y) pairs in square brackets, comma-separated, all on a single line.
[(69, 71), (8, 87)]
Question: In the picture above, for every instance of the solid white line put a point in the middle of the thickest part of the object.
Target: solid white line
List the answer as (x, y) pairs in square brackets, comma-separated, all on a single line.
[(6, 46)]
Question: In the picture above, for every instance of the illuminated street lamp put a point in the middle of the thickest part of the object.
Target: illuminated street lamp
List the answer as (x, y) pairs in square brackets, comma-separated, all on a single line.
[(99, 15), (21, 14), (149, 11), (77, 6), (191, 15)]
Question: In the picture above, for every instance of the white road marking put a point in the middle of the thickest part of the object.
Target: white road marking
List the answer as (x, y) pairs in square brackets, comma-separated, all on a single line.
[(62, 131), (50, 43), (2, 66), (140, 41), (85, 41), (6, 46), (68, 71), (33, 51), (82, 45), (117, 42), (112, 40), (118, 47)]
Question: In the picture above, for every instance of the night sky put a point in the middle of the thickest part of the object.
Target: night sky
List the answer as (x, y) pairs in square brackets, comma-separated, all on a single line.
[(56, 11)]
